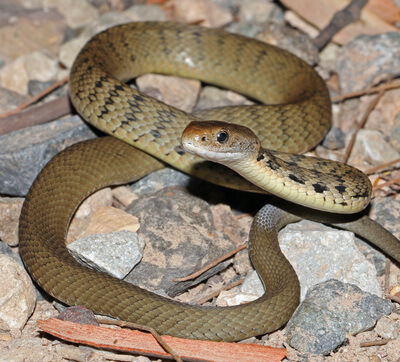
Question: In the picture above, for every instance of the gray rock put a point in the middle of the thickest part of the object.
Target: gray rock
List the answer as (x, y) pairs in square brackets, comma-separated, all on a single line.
[(367, 60), (17, 296), (23, 153), (113, 253), (6, 250), (319, 253), (160, 179), (180, 239), (334, 139), (331, 311), (10, 100)]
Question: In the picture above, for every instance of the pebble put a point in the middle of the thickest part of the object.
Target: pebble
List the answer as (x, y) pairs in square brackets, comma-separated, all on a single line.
[(9, 100), (205, 11), (16, 75), (113, 253), (33, 30), (330, 311), (10, 210), (159, 180), (178, 92), (23, 153), (76, 12), (367, 60), (17, 296), (387, 328), (372, 149)]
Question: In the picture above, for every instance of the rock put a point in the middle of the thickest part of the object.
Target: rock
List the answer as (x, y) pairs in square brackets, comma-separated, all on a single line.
[(386, 212), (178, 92), (23, 153), (31, 31), (213, 97), (319, 253), (387, 328), (371, 148), (124, 195), (206, 12), (113, 253), (10, 100), (292, 40), (250, 290), (160, 179), (330, 311), (6, 250), (16, 75), (77, 12), (81, 219), (367, 60), (334, 139), (180, 239), (257, 11), (10, 210), (17, 296), (109, 219), (140, 12)]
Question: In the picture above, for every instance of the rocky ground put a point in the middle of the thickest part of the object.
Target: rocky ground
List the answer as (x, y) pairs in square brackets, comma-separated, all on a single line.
[(171, 224)]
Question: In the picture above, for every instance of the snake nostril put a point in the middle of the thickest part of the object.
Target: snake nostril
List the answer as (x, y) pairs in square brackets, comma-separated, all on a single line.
[(204, 138)]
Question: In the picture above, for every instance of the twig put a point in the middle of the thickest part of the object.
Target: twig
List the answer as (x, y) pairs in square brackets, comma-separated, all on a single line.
[(379, 342), (46, 112), (389, 183), (361, 125), (163, 344), (385, 86), (211, 265), (380, 167), (216, 293), (393, 298), (37, 97), (341, 18)]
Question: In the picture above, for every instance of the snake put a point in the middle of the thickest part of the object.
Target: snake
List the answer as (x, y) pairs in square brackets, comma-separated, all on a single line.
[(291, 114)]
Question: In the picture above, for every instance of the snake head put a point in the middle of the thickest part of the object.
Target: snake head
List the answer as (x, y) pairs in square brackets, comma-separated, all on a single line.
[(219, 141)]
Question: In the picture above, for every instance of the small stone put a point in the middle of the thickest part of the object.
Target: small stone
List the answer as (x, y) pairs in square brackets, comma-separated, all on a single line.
[(33, 30), (124, 195), (367, 60), (10, 210), (330, 311), (160, 179), (110, 219), (178, 92), (113, 253), (387, 328), (9, 100), (77, 12), (23, 153), (17, 296), (206, 12), (334, 139), (255, 11), (371, 148), (292, 40), (213, 97), (81, 219), (141, 12), (16, 75)]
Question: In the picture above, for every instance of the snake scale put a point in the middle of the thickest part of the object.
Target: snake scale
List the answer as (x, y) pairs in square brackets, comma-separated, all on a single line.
[(296, 119)]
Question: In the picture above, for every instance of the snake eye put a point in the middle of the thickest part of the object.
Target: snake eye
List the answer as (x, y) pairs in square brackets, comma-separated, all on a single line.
[(222, 137)]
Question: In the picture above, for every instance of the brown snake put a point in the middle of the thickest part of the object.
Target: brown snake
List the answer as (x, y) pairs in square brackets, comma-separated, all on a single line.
[(296, 120)]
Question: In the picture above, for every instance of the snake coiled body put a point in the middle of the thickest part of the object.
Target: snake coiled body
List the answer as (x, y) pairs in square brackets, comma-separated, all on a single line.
[(296, 119)]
